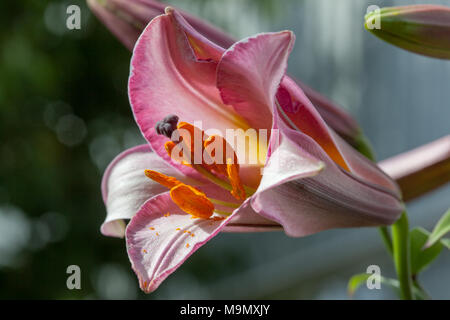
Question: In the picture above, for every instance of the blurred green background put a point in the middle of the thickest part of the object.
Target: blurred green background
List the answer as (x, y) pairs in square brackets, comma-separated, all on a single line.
[(64, 114)]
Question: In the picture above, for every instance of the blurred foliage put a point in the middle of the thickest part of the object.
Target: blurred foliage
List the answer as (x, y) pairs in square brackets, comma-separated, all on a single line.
[(64, 115), (48, 72)]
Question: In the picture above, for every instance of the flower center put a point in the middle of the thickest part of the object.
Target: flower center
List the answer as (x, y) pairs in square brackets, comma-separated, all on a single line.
[(213, 157)]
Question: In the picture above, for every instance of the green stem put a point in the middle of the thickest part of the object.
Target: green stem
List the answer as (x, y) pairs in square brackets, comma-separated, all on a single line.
[(400, 245), (211, 177), (386, 236)]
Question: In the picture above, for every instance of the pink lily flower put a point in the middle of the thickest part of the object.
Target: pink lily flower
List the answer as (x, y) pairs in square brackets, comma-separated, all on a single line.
[(127, 18), (312, 180)]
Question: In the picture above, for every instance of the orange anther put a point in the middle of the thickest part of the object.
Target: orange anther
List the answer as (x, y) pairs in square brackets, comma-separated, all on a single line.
[(192, 201), (220, 151), (188, 133), (226, 163), (233, 175), (169, 145), (166, 181)]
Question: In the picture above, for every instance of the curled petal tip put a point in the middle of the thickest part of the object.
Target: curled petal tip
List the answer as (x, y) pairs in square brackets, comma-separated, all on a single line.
[(169, 10)]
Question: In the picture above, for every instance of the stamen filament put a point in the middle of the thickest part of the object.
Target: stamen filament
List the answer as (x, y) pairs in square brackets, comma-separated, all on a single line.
[(224, 203), (224, 213), (221, 183)]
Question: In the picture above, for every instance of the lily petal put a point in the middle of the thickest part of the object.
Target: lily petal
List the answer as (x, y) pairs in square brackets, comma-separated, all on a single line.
[(307, 120), (127, 18), (304, 203), (249, 73), (125, 187), (161, 237), (335, 117), (168, 77)]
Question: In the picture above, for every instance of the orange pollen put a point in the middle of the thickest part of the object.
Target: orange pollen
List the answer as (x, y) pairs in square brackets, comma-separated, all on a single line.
[(169, 145), (226, 163), (218, 162), (192, 201), (233, 175), (187, 198), (166, 181)]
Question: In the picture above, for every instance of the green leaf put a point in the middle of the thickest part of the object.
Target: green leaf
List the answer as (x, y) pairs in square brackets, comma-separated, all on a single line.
[(446, 243), (358, 279), (440, 230), (355, 282), (421, 257)]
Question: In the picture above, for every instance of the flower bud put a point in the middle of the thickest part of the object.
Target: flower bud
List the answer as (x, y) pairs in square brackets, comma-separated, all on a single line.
[(423, 29)]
